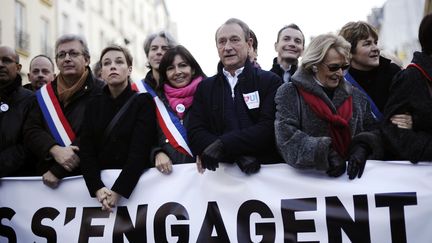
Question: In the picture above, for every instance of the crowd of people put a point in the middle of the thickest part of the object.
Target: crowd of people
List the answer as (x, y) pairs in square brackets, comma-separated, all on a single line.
[(341, 105)]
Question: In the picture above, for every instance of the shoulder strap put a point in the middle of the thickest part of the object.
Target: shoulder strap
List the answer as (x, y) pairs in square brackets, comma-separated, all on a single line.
[(429, 84), (119, 114), (421, 70)]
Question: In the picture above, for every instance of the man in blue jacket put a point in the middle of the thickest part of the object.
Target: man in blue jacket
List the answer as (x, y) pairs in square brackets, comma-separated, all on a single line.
[(232, 116)]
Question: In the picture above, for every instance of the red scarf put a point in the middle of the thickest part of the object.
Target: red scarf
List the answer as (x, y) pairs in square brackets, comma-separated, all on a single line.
[(181, 98), (340, 131)]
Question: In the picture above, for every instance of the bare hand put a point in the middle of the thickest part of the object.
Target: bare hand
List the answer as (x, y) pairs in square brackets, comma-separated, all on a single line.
[(50, 179), (113, 199), (66, 156), (163, 163), (403, 121), (102, 196), (200, 168)]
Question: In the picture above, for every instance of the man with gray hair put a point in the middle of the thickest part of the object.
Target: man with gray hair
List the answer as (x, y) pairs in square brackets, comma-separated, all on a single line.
[(232, 115), (52, 130)]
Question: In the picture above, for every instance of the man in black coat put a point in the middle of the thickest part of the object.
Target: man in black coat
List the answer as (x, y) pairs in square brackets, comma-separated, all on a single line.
[(15, 158), (232, 117), (290, 46), (57, 151)]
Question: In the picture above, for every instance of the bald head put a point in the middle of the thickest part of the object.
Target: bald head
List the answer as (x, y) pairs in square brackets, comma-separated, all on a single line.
[(41, 71), (9, 64)]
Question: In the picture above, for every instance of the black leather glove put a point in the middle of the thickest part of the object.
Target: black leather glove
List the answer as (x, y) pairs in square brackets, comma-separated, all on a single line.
[(211, 155), (357, 160), (337, 165), (248, 164)]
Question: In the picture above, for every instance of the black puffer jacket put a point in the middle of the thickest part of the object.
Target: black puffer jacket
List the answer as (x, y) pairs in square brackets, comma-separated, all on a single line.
[(410, 94), (15, 158), (38, 136)]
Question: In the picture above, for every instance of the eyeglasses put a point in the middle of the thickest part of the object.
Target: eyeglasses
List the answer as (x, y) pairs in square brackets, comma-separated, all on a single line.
[(336, 67), (72, 54)]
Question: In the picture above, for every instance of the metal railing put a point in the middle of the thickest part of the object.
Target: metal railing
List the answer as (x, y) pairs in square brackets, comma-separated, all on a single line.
[(22, 40)]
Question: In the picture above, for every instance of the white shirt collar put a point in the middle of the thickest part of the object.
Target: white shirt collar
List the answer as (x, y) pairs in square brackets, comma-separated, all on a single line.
[(232, 80)]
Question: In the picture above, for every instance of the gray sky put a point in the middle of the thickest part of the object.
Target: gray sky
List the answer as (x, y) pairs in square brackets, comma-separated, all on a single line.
[(197, 21)]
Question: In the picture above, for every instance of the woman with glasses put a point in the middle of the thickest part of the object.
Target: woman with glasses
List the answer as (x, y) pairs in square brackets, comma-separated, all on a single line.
[(319, 113)]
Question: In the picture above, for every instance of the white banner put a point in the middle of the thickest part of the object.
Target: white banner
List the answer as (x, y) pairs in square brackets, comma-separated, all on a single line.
[(392, 202)]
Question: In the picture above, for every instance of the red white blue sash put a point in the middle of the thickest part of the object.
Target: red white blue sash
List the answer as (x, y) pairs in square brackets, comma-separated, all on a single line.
[(58, 124), (170, 124)]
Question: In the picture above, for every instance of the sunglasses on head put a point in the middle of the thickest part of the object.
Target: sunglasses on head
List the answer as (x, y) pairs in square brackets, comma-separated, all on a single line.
[(336, 67)]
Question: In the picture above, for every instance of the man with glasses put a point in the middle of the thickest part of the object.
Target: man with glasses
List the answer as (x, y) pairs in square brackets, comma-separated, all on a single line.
[(15, 101), (52, 131)]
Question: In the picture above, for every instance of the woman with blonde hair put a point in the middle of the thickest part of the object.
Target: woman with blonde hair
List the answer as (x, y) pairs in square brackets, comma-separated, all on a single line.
[(319, 113)]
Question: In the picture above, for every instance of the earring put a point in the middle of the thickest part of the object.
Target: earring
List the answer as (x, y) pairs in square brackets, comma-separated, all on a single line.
[(314, 69)]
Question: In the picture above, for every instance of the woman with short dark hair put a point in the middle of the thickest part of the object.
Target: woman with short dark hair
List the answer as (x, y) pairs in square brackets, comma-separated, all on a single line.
[(118, 131), (180, 75)]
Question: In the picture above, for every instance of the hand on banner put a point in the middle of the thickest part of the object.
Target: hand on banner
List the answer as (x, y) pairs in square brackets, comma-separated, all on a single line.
[(163, 163), (248, 164), (50, 179), (66, 156), (199, 165), (211, 155), (357, 160), (102, 196), (337, 165)]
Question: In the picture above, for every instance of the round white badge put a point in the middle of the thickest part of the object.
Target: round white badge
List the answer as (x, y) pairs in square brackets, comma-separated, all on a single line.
[(4, 107), (180, 108)]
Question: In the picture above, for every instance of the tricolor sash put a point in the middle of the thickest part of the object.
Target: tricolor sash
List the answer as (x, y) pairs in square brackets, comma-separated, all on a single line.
[(59, 126), (168, 121), (375, 111)]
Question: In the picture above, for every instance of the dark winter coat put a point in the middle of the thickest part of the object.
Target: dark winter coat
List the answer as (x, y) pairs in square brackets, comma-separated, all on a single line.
[(410, 94), (128, 145), (276, 68), (163, 144), (376, 82), (15, 158), (303, 138), (209, 119), (38, 136)]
